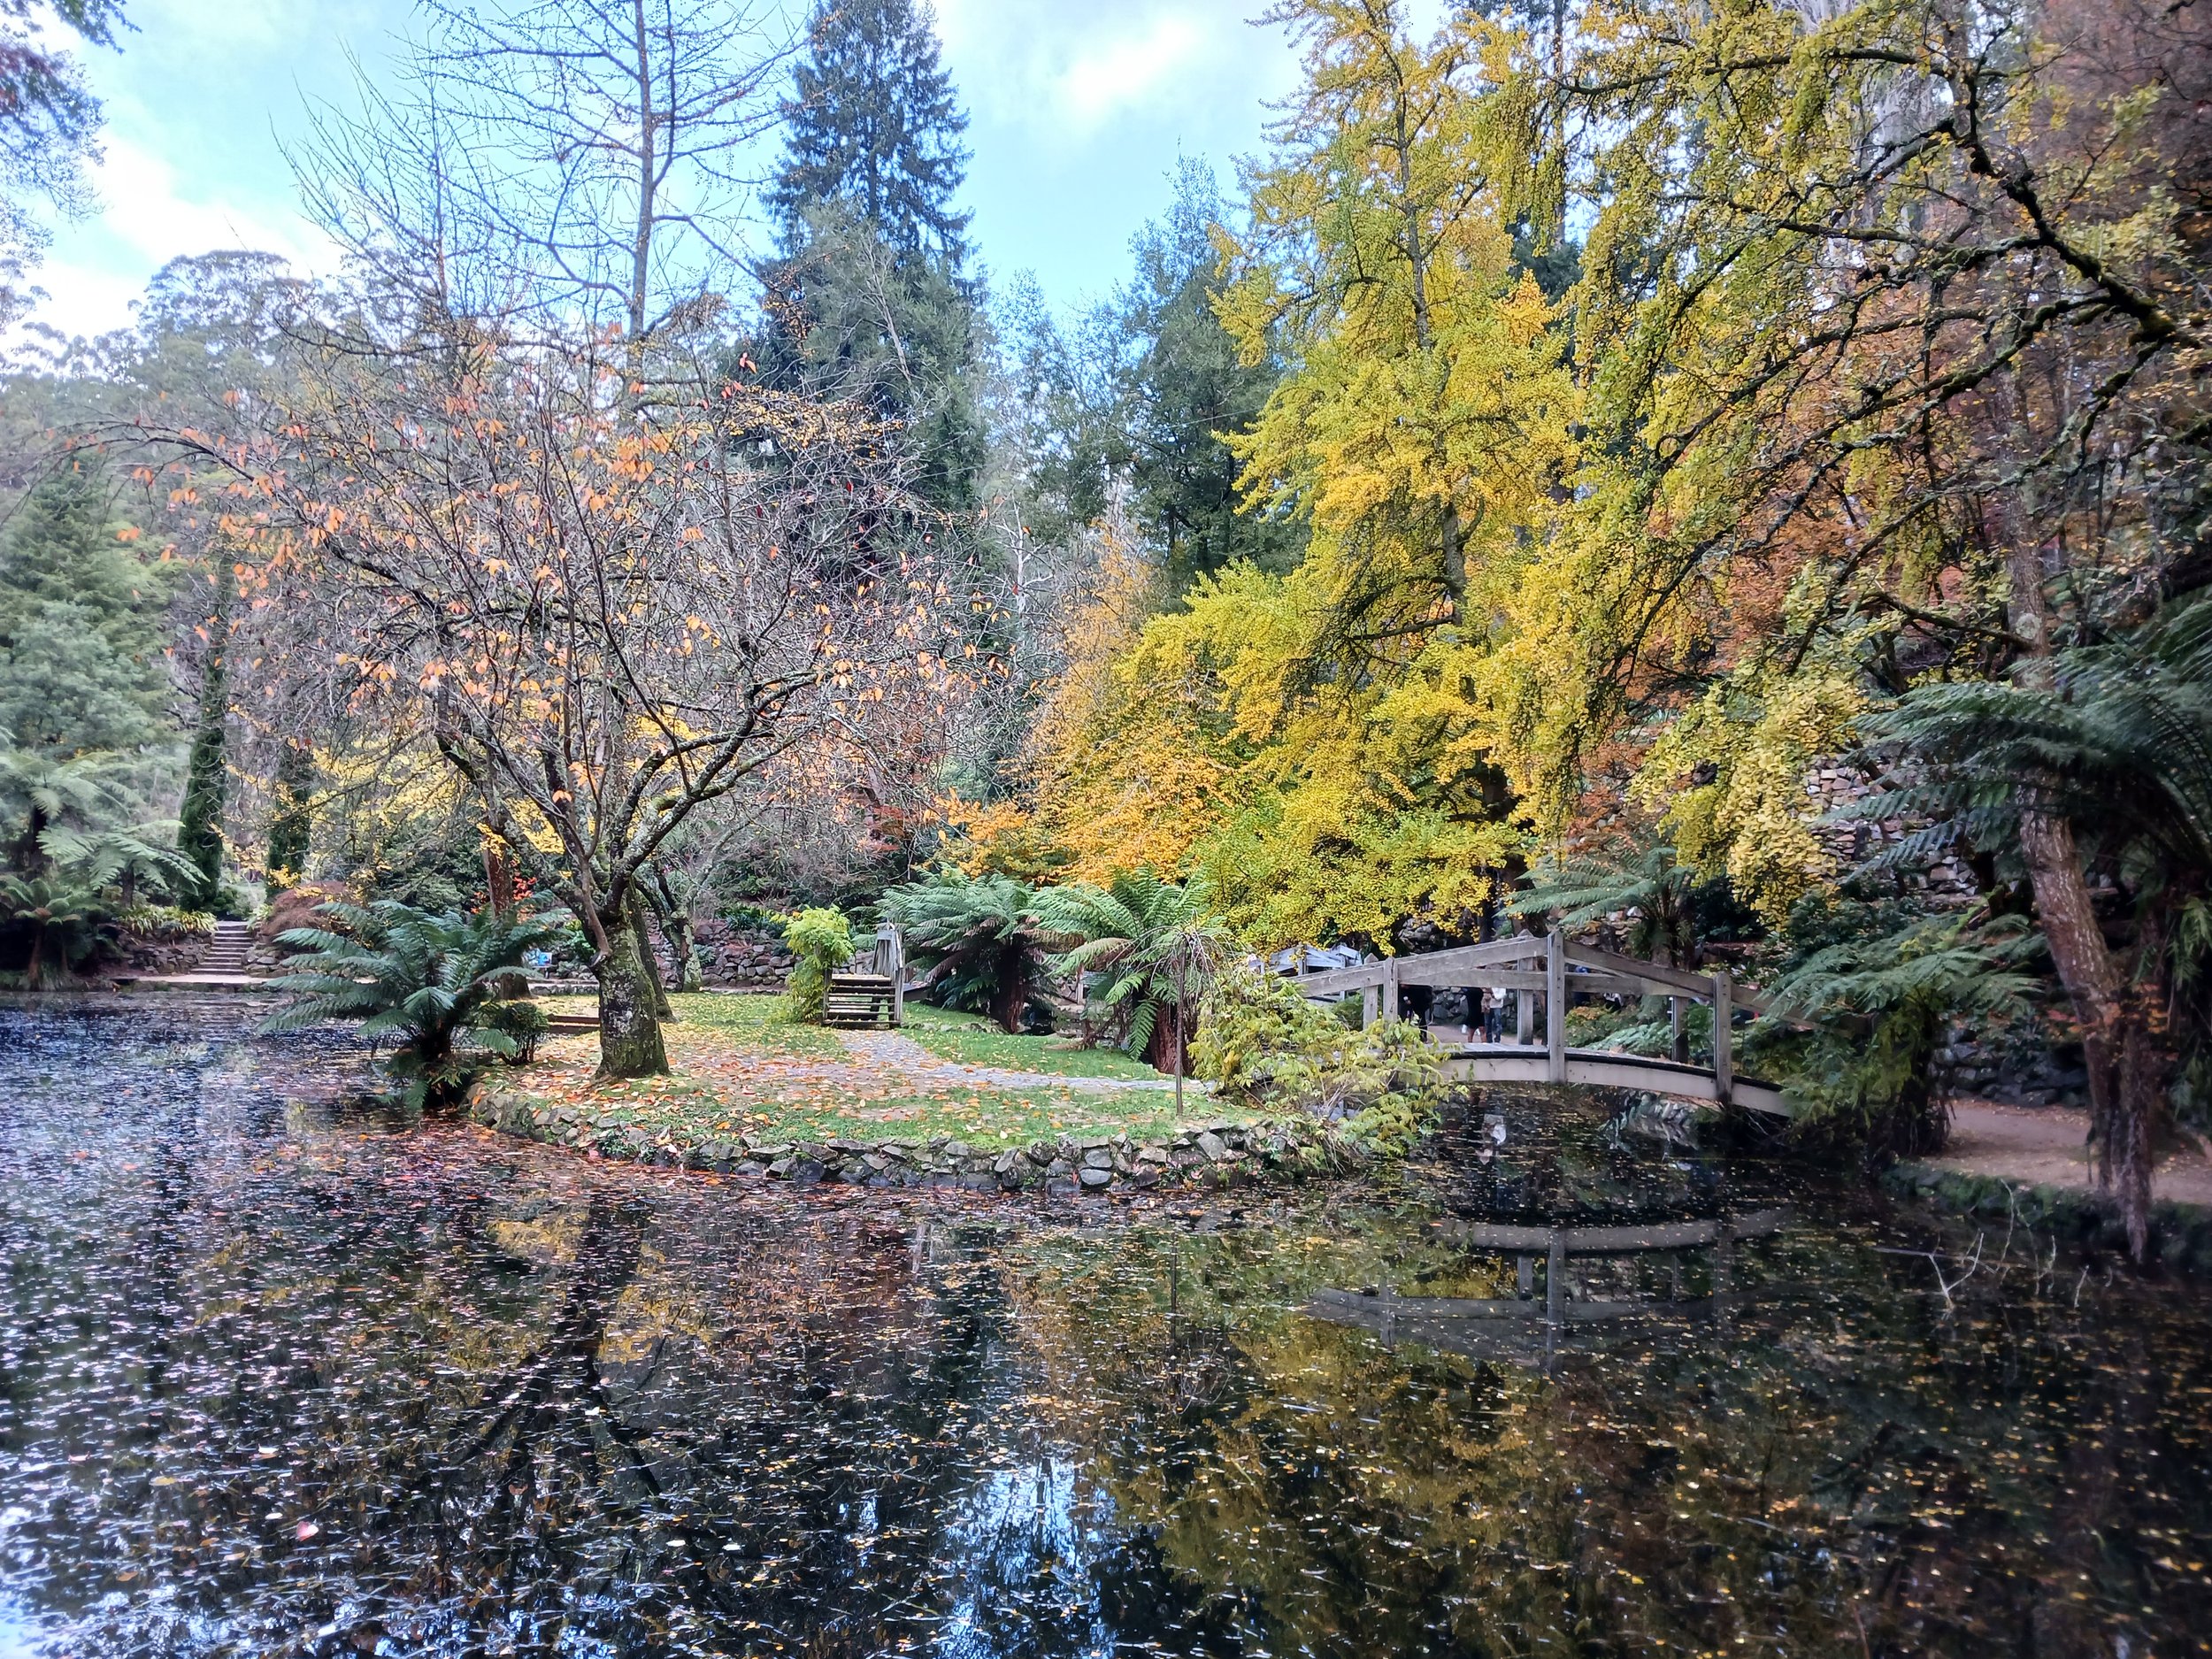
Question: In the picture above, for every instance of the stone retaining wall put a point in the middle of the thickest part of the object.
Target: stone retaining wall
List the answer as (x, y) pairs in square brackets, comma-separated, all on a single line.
[(731, 957), (2180, 1235), (1215, 1154)]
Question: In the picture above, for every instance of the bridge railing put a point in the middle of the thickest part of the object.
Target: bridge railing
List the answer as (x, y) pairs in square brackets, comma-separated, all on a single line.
[(1545, 972)]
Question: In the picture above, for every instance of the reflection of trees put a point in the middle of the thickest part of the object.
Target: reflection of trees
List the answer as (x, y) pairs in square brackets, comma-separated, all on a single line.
[(1850, 1459), (583, 1412), (391, 1400)]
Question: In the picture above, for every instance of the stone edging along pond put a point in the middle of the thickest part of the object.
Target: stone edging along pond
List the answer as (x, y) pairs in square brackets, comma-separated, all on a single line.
[(1218, 1154), (2181, 1234)]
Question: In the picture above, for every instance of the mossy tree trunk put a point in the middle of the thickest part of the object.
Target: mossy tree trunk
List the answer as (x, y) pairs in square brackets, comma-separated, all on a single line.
[(664, 894), (649, 983), (683, 939), (630, 1043)]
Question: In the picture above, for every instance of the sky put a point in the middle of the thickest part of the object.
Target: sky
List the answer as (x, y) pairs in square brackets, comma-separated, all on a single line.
[(1079, 111)]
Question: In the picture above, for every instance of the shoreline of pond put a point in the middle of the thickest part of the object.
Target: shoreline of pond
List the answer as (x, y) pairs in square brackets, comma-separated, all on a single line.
[(1212, 1155), (2180, 1233), (1215, 1155)]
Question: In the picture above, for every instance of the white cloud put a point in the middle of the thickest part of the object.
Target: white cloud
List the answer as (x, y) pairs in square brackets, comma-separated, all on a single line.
[(148, 215), (145, 205), (231, 26), (1129, 71), (82, 299), (1062, 73)]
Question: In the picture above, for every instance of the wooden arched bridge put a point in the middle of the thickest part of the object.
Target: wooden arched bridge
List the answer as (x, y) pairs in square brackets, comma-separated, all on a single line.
[(1547, 973)]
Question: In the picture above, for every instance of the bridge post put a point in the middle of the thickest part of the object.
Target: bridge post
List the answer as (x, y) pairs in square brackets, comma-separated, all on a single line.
[(1723, 1036), (891, 959), (1390, 988), (1370, 1003), (1556, 1006)]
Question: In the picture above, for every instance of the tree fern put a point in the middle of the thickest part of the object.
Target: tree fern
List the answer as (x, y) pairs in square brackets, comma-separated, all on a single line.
[(1154, 946), (425, 982), (2114, 739), (1652, 886), (1878, 1005), (973, 940)]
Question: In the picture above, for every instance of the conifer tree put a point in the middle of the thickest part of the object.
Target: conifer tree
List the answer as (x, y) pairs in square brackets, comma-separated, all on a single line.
[(206, 780), (869, 300), (1186, 384), (874, 126), (291, 825), (80, 666)]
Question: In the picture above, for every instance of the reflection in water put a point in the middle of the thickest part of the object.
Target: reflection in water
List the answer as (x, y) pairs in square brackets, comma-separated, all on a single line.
[(277, 1379), (1529, 1329)]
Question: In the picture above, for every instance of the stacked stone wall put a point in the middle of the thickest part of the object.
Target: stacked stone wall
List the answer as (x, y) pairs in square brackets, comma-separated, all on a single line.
[(1213, 1153)]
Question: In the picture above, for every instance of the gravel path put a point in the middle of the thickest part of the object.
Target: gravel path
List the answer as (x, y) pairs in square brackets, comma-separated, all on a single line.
[(894, 1052)]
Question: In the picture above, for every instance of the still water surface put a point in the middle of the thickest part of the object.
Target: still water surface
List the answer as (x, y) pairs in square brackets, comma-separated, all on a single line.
[(279, 1376)]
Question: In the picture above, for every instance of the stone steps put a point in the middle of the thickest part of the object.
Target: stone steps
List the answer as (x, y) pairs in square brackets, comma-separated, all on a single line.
[(226, 951)]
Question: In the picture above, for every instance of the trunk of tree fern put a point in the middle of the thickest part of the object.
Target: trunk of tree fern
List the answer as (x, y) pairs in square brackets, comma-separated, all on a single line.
[(2117, 1043), (1163, 1051), (630, 1040), (1012, 999)]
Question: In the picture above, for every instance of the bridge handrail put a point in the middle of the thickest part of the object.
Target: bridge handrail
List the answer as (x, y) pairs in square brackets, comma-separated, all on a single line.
[(1561, 970)]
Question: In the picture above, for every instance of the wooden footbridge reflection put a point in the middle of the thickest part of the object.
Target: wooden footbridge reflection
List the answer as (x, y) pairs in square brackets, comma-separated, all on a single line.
[(1530, 1329), (1547, 974)]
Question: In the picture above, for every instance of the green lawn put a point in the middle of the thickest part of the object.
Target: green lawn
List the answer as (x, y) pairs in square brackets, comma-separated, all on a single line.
[(689, 1111), (739, 1067), (971, 1040), (752, 1022)]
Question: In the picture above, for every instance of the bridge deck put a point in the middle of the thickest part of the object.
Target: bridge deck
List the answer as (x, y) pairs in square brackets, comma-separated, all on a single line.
[(1602, 1068)]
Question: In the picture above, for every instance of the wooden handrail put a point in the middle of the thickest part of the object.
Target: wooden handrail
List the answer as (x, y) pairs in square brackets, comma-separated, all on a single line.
[(1559, 970)]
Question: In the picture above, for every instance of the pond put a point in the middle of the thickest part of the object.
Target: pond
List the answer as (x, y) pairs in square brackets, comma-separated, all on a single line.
[(279, 1375)]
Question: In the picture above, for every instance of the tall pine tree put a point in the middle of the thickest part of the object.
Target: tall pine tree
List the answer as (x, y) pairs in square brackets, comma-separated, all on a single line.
[(207, 777), (869, 299), (81, 638), (874, 128), (1183, 384)]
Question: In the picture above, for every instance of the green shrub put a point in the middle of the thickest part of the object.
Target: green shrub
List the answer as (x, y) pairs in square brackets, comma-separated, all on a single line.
[(1257, 1037), (165, 921), (1259, 1040), (752, 918), (822, 940), (521, 1022), (1386, 1085)]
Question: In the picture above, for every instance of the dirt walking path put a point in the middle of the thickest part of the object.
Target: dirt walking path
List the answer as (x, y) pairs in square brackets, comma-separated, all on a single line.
[(2049, 1147)]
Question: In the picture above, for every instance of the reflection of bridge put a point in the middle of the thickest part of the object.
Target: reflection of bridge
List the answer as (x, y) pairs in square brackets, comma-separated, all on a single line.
[(1510, 1327), (1551, 972)]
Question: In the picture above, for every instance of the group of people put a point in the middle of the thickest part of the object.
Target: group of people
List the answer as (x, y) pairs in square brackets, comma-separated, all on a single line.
[(1477, 1014)]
